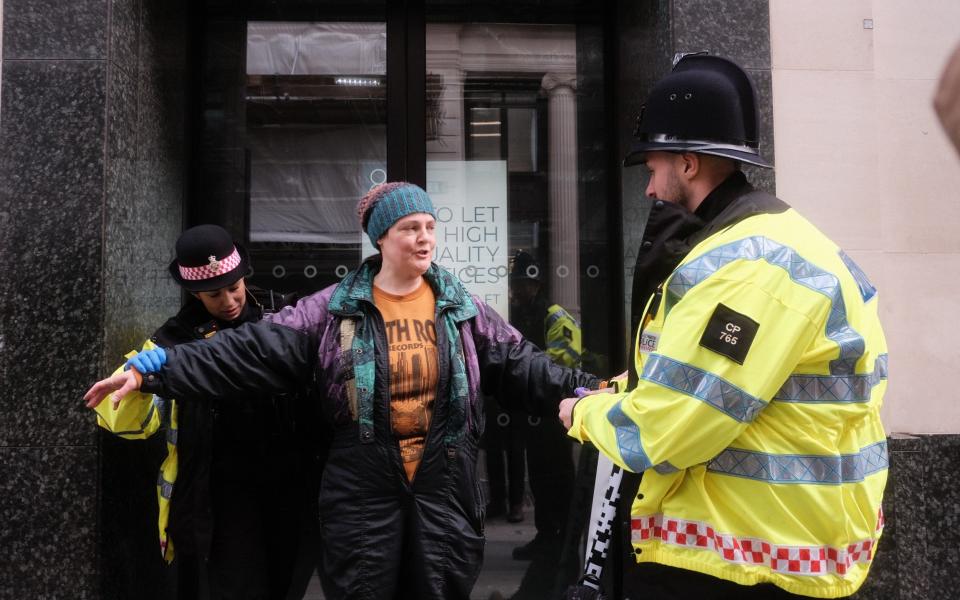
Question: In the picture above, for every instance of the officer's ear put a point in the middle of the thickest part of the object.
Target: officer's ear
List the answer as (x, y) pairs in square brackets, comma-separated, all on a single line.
[(689, 165)]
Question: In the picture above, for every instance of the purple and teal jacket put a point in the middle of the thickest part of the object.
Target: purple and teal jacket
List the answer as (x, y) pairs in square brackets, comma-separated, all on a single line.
[(383, 535)]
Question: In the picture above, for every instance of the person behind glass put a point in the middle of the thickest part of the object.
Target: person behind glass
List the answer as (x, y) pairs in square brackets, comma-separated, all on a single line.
[(227, 488), (506, 471), (397, 353), (548, 448)]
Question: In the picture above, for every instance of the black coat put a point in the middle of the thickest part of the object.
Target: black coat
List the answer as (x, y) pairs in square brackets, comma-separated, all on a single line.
[(222, 440)]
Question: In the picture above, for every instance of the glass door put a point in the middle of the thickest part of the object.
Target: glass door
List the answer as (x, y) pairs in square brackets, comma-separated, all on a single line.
[(501, 111), (293, 130), (316, 134), (517, 165)]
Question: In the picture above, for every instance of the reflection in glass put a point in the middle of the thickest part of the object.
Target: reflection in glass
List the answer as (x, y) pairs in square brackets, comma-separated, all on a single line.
[(509, 95), (316, 134), (522, 140), (506, 144), (485, 139)]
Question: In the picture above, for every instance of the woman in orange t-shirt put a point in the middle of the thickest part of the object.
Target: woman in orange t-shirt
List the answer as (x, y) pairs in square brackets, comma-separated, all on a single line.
[(398, 352)]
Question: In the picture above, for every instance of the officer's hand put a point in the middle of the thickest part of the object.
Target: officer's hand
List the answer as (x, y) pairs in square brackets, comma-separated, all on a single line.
[(619, 379), (946, 101), (148, 361), (566, 406), (566, 411), (120, 384)]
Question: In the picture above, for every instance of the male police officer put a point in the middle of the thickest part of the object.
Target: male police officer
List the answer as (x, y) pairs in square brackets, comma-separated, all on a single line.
[(760, 369)]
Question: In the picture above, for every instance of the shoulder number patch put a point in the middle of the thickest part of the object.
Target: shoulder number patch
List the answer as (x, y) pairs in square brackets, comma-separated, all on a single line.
[(729, 333)]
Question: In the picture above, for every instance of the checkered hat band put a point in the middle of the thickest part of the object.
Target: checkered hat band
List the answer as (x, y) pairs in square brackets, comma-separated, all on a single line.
[(780, 558), (214, 268)]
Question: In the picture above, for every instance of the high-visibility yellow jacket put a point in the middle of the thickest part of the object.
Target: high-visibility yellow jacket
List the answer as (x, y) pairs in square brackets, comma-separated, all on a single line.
[(138, 417), (756, 419), (562, 336), (191, 520)]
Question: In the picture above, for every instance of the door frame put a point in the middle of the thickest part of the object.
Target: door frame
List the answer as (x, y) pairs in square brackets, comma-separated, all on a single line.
[(406, 109)]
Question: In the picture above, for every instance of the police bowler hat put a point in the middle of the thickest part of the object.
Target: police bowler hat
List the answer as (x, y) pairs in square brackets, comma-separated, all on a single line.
[(208, 259), (706, 104)]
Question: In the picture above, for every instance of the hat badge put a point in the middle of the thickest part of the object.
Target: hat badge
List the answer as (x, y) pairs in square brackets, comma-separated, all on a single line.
[(214, 264)]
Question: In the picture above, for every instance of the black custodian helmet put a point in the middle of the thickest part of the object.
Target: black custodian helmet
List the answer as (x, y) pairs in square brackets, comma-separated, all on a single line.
[(706, 104)]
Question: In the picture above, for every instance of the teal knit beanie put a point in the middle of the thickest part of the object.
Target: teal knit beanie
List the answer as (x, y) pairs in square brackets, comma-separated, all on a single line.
[(389, 202)]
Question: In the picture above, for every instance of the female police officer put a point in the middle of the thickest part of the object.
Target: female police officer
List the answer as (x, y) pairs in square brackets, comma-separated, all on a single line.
[(227, 488)]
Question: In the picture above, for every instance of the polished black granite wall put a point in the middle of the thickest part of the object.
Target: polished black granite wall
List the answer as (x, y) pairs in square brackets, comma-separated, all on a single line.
[(91, 113), (919, 552), (653, 32)]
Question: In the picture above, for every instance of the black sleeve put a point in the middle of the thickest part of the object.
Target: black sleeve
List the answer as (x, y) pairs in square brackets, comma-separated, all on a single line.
[(516, 372), (262, 357)]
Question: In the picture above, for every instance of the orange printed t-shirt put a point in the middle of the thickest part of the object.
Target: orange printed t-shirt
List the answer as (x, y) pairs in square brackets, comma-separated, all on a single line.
[(412, 337)]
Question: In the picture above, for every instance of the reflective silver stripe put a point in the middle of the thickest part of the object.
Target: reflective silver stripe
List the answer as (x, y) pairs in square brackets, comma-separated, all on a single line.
[(164, 407), (628, 440), (665, 468), (867, 291), (695, 145), (172, 435), (799, 468), (143, 424), (700, 384), (833, 388), (146, 420), (630, 446), (801, 272), (553, 317), (166, 487)]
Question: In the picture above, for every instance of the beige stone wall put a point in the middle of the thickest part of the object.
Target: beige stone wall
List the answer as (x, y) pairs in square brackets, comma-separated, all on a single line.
[(860, 153)]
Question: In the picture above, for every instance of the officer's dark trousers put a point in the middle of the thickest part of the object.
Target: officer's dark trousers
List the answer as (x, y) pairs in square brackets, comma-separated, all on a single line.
[(504, 440)]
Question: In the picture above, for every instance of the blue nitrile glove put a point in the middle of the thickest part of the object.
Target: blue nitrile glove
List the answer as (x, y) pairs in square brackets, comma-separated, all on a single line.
[(148, 361)]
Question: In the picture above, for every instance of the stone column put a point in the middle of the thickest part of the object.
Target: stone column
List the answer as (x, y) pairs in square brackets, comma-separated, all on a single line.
[(444, 59), (90, 194), (562, 191)]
